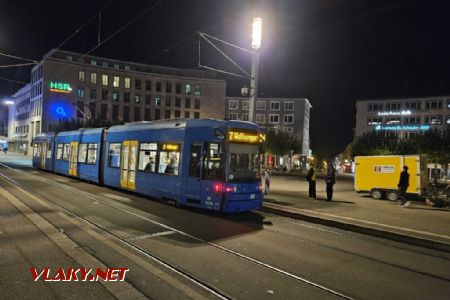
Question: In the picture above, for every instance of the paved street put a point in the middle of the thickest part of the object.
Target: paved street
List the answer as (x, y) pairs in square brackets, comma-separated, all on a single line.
[(185, 253)]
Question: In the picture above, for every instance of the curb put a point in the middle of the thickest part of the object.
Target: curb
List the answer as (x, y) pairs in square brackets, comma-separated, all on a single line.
[(394, 236)]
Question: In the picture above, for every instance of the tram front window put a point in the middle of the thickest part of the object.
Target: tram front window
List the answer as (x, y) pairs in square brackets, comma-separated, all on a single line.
[(243, 163)]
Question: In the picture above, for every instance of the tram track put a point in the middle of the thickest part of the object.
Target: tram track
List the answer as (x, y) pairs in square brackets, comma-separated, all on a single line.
[(208, 287)]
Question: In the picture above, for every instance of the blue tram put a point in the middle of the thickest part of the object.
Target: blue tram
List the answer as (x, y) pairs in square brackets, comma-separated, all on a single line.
[(210, 164)]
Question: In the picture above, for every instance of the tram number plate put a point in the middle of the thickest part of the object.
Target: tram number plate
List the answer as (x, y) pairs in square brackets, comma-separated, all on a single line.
[(252, 196)]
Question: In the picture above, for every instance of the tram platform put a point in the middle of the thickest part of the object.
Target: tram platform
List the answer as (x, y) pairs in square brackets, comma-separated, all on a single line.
[(417, 224)]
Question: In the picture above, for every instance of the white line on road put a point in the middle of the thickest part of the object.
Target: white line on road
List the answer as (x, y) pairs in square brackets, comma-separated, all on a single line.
[(146, 236)]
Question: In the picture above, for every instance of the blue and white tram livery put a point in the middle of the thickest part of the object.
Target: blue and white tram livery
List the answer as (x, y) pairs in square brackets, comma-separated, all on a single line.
[(210, 164)]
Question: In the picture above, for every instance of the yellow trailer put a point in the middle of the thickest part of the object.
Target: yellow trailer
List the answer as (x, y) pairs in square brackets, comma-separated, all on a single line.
[(379, 175)]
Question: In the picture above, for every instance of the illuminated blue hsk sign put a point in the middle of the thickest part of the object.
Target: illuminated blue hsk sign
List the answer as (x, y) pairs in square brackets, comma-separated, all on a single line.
[(402, 127)]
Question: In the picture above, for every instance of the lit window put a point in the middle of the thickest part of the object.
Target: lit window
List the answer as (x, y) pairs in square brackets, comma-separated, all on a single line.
[(127, 82), (246, 105), (81, 76), (137, 98), (147, 157), (197, 90), (93, 62), (188, 89), (233, 104), (433, 120), (157, 100), (116, 81), (94, 78), (80, 92), (114, 155), (104, 79)]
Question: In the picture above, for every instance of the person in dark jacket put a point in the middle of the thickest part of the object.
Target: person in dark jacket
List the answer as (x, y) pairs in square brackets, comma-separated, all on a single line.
[(330, 180), (403, 186), (311, 178)]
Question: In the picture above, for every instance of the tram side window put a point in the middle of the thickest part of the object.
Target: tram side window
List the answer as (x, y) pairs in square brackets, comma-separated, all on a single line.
[(213, 166), (147, 157), (195, 160), (82, 153), (114, 155), (66, 152), (59, 151), (37, 150), (49, 151), (169, 159), (92, 153)]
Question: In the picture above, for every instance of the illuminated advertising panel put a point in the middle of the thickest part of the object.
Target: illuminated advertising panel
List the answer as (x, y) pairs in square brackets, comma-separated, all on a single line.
[(59, 87), (395, 113), (402, 127)]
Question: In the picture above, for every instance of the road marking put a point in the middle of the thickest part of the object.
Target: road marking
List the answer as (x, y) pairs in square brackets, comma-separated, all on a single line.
[(293, 209), (115, 197), (146, 236), (119, 289)]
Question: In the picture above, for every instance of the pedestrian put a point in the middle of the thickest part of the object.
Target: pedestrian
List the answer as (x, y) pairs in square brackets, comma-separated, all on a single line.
[(330, 180), (311, 178), (403, 186)]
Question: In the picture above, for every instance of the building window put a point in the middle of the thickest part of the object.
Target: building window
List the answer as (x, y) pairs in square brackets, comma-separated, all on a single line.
[(245, 117), (147, 116), (168, 100), (104, 94), (137, 113), (148, 85), (177, 114), (167, 114), (413, 105), (137, 84), (157, 100), (116, 80), (104, 79), (289, 105), (104, 111), (105, 64), (260, 118), (81, 76), (196, 115), (412, 120), (448, 120), (393, 106), (288, 130), (245, 105), (115, 95), (94, 78), (116, 66), (177, 102), (126, 113), (168, 87), (157, 114), (274, 118), (374, 121), (93, 109), (127, 68), (137, 98), (233, 105), (375, 106), (80, 92), (178, 88), (233, 116), (275, 105), (158, 86), (187, 114), (288, 119), (260, 105), (148, 99), (187, 89), (93, 62), (93, 94), (433, 120), (393, 121), (197, 90), (434, 104), (187, 102), (127, 82), (115, 112), (197, 103), (126, 97)]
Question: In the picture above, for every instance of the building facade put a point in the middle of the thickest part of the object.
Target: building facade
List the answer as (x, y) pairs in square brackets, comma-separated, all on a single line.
[(290, 115), (67, 85), (19, 136), (402, 117)]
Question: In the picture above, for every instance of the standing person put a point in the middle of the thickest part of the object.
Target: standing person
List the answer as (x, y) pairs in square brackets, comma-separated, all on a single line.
[(311, 178), (330, 180), (403, 186)]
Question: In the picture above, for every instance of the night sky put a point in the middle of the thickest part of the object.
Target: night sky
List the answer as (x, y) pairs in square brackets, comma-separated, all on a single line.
[(331, 52)]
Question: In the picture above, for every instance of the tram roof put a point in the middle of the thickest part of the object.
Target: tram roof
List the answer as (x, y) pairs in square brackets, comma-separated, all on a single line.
[(181, 123)]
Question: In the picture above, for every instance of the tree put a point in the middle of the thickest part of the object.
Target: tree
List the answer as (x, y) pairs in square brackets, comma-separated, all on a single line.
[(280, 143)]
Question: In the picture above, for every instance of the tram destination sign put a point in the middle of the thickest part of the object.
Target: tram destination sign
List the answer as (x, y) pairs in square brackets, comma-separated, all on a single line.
[(170, 147), (243, 137)]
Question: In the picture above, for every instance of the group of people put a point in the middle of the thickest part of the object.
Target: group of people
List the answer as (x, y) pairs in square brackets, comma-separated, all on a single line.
[(330, 180)]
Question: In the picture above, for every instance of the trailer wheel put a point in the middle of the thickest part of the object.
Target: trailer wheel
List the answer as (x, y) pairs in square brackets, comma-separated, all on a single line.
[(376, 194), (392, 195)]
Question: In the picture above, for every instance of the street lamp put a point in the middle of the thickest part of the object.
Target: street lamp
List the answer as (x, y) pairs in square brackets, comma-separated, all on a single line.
[(8, 102), (256, 45)]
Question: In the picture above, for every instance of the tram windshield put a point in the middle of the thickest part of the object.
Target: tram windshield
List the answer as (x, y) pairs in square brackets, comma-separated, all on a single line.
[(243, 165)]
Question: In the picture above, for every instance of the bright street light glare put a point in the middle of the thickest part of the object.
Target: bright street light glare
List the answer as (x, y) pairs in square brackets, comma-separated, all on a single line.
[(8, 102), (256, 33)]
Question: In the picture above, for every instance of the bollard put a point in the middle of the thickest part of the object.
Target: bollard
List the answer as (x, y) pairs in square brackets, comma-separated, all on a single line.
[(267, 182)]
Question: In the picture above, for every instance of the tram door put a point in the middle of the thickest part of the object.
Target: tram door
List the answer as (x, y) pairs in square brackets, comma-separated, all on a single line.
[(193, 184), (43, 154), (128, 165), (73, 158)]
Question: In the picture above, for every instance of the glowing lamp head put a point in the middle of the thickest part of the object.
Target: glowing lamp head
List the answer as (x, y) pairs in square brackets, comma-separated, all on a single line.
[(256, 33), (8, 102)]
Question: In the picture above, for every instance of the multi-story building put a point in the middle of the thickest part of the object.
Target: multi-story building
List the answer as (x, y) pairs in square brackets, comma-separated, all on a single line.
[(402, 117), (289, 115), (67, 85), (19, 137)]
